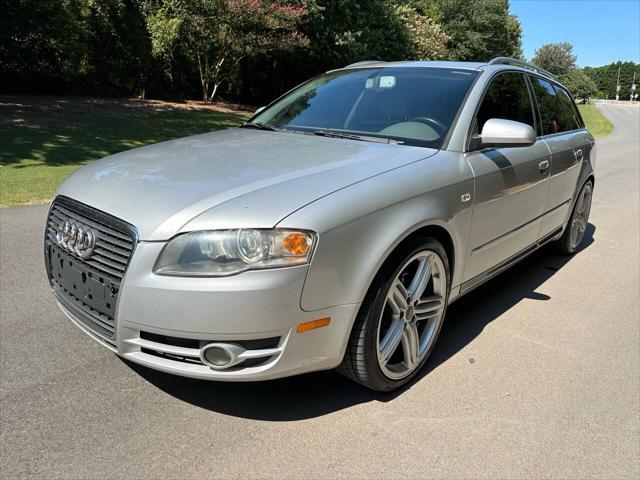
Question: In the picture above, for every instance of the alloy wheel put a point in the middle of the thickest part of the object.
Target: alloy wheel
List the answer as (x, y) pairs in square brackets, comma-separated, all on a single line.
[(580, 218), (412, 314)]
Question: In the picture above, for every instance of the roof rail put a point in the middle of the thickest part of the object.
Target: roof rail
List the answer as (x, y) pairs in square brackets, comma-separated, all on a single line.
[(521, 63), (363, 63)]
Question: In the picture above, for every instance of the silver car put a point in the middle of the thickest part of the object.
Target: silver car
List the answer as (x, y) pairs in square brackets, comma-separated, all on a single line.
[(329, 231)]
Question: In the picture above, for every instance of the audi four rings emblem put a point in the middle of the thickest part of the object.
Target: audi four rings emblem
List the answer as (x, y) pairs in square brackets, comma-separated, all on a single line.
[(76, 238)]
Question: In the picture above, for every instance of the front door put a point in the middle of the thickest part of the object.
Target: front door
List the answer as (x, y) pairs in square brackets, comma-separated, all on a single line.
[(510, 183)]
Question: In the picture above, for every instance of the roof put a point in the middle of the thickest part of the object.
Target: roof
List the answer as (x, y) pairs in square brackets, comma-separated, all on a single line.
[(499, 63), (418, 63)]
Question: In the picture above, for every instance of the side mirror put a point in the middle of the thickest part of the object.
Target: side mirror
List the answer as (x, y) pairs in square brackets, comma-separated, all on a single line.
[(258, 110), (498, 132)]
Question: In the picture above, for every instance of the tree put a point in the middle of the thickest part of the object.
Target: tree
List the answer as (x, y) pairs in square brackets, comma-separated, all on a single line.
[(514, 37), (557, 58), (342, 32), (479, 29), (425, 38), (347, 31), (118, 43), (217, 34), (606, 77), (42, 40), (579, 83)]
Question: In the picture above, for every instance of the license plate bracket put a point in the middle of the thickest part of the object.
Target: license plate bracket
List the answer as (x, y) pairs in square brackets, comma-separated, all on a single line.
[(80, 282)]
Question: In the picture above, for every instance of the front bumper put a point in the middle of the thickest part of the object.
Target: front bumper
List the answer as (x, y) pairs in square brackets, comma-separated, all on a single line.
[(238, 309)]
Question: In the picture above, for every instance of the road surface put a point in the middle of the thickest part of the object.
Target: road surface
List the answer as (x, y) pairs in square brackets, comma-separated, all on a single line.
[(536, 374)]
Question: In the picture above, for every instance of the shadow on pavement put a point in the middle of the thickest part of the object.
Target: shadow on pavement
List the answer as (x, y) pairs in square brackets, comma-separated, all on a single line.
[(316, 394)]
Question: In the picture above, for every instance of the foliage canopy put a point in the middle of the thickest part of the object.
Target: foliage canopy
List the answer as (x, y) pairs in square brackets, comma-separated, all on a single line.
[(579, 83), (606, 78), (246, 49), (216, 34), (557, 58)]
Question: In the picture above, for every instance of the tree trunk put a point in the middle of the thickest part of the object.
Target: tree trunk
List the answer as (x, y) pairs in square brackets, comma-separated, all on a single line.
[(204, 77), (205, 90), (216, 76), (216, 84)]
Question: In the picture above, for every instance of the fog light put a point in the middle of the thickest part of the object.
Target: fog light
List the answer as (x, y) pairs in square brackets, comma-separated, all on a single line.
[(217, 357)]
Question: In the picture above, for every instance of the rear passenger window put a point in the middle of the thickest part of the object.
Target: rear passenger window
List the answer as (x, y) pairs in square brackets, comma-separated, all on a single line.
[(552, 115), (507, 97), (570, 109)]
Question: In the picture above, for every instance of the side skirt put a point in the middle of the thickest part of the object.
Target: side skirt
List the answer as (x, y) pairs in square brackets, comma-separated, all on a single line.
[(478, 280)]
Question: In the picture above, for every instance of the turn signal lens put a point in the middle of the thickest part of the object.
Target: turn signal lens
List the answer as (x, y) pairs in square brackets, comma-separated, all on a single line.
[(313, 324), (296, 243)]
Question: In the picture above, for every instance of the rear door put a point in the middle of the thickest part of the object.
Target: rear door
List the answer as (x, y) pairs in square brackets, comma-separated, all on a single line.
[(510, 183), (563, 131)]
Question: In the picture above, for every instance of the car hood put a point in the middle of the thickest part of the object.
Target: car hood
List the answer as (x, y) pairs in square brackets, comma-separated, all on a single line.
[(228, 179)]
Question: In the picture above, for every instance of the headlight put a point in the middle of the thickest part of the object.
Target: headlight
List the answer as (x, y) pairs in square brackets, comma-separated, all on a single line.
[(226, 252)]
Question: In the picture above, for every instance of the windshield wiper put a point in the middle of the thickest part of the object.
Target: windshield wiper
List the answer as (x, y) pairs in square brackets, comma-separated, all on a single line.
[(260, 126), (352, 136)]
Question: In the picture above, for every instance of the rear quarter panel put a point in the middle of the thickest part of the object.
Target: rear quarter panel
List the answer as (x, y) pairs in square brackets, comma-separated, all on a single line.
[(568, 174)]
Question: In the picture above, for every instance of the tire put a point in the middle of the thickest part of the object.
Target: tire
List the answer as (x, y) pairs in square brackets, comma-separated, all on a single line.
[(392, 338), (574, 232)]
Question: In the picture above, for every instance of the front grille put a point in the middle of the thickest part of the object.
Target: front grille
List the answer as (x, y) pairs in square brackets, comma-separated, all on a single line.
[(89, 287), (254, 344), (113, 247)]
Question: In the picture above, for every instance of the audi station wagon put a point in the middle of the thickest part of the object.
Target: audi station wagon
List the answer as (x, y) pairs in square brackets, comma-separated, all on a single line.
[(331, 230)]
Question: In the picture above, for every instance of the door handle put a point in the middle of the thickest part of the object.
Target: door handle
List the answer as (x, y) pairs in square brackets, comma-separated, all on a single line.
[(578, 154), (543, 166)]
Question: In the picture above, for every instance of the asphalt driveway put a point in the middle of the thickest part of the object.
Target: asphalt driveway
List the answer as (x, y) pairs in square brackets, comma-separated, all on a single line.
[(536, 374)]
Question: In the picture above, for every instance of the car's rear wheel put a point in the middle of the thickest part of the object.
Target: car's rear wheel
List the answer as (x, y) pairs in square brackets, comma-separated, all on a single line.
[(574, 233), (400, 318)]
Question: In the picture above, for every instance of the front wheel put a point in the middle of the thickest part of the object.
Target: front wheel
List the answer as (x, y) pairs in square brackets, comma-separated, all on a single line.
[(574, 233), (400, 319)]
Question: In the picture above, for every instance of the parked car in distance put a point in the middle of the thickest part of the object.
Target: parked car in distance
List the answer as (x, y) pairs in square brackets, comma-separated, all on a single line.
[(331, 230)]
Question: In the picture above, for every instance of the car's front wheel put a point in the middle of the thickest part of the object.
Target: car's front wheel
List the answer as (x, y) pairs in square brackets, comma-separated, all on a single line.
[(400, 318)]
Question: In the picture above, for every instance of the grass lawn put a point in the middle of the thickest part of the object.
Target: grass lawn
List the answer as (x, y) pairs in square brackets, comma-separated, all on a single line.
[(40, 147), (595, 122)]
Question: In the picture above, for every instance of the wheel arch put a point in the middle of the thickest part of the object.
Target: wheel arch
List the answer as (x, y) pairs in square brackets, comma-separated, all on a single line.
[(591, 177), (437, 232), (584, 178), (435, 229)]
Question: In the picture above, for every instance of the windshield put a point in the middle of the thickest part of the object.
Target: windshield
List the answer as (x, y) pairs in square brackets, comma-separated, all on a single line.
[(414, 106)]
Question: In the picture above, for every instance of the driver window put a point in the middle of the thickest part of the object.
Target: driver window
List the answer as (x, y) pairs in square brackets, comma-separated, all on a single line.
[(508, 98)]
